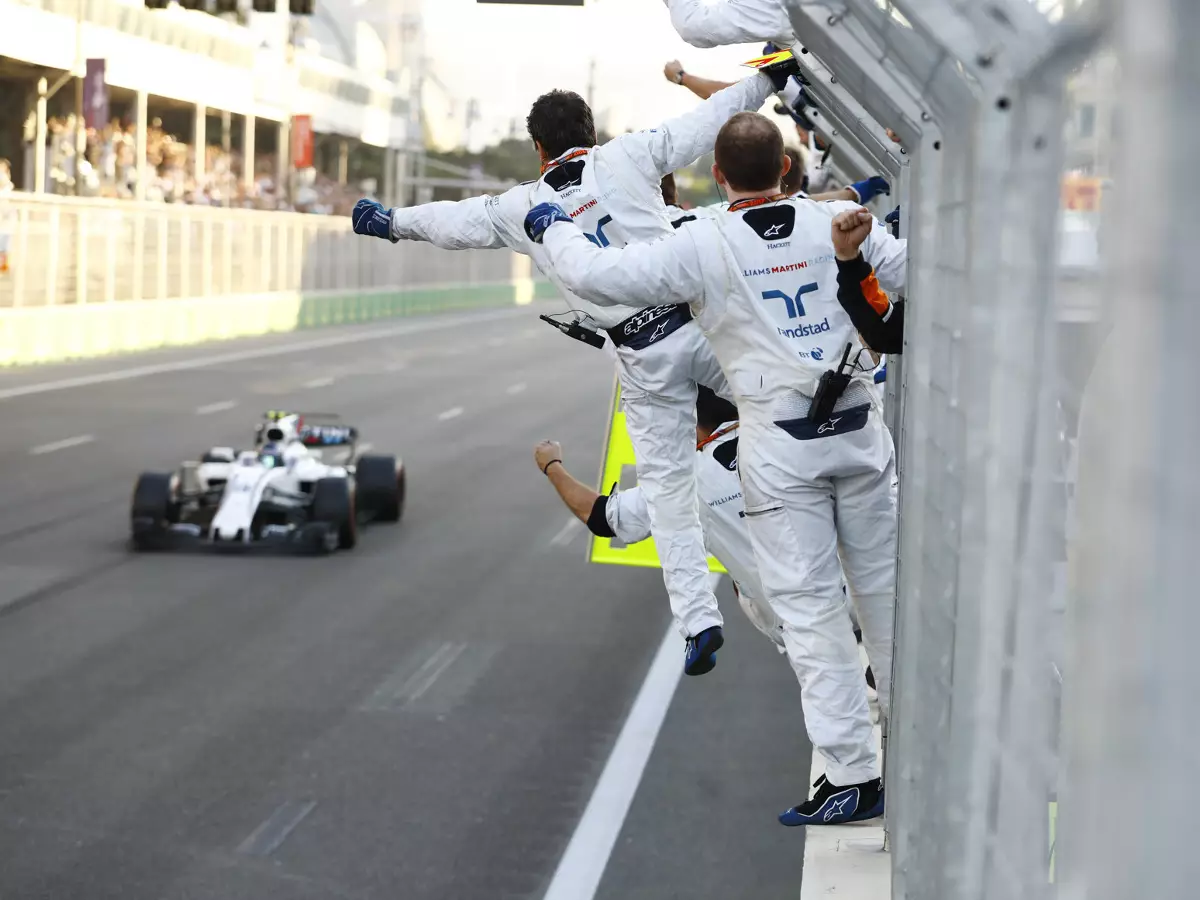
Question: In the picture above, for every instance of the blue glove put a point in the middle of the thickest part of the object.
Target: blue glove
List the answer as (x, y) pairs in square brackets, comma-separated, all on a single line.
[(542, 217), (769, 48), (780, 72), (372, 219), (893, 221), (871, 188)]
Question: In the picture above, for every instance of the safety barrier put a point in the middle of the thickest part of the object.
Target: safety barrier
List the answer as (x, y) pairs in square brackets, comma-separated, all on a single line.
[(1043, 417), (86, 277)]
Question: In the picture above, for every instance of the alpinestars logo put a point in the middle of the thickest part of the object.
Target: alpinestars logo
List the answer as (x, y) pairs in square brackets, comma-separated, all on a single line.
[(774, 230), (838, 807), (658, 332), (636, 323), (829, 426), (803, 331)]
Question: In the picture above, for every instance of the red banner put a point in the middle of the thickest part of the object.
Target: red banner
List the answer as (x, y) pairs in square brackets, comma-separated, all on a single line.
[(302, 142)]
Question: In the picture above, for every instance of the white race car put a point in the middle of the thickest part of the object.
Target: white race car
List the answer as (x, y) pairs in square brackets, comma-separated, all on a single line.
[(284, 491)]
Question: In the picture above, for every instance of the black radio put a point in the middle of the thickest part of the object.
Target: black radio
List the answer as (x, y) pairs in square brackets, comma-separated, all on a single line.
[(576, 331)]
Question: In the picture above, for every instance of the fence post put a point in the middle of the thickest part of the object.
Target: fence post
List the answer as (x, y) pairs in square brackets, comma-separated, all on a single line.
[(55, 237), (81, 255)]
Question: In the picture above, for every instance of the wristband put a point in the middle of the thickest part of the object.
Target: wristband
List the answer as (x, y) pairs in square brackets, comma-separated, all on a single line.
[(546, 469), (681, 77)]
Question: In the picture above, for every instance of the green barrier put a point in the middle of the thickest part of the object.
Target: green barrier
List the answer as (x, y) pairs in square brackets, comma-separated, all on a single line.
[(58, 333), (316, 312)]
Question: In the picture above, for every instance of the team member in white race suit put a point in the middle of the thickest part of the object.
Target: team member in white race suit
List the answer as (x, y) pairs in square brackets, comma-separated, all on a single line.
[(624, 514), (762, 281), (613, 194), (726, 22)]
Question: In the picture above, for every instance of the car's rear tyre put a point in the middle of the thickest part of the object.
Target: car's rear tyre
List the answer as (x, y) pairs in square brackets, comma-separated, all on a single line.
[(153, 509), (333, 506), (380, 487)]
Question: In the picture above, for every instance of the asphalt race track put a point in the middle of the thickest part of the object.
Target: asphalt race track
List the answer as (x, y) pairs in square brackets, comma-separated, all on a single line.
[(423, 717)]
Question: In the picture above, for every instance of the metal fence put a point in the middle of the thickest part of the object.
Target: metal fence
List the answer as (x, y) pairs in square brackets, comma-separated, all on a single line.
[(1044, 420), (71, 251)]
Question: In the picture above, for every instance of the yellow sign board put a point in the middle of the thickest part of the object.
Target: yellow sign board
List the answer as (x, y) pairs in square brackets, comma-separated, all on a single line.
[(770, 59), (618, 467)]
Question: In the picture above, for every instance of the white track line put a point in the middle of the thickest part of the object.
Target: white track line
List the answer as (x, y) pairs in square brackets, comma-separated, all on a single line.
[(220, 359), (450, 414), (582, 865), (77, 441), (518, 388), (445, 662), (267, 838), (566, 533), (220, 406), (325, 381)]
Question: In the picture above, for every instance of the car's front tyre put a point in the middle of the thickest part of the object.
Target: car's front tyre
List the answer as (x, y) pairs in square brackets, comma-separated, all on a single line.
[(379, 483), (153, 509), (333, 506)]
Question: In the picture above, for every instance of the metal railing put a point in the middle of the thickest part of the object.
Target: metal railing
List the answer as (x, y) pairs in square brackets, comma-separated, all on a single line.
[(64, 250), (1046, 589)]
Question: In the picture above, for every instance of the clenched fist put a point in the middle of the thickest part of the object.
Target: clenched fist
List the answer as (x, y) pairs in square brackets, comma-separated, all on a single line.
[(547, 452), (673, 71), (850, 229)]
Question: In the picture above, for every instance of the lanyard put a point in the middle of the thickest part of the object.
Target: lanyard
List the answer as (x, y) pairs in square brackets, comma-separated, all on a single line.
[(717, 435), (751, 202), (574, 154)]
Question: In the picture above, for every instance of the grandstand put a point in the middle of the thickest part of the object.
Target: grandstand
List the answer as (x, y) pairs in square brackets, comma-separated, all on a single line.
[(200, 107)]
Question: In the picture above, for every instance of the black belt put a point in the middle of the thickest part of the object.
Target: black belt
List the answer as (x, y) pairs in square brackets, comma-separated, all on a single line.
[(649, 326)]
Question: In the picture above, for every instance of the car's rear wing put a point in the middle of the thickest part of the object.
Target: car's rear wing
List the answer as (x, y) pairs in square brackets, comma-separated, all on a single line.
[(315, 429)]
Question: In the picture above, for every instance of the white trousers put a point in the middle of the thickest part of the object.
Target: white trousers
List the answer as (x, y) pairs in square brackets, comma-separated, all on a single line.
[(658, 390), (805, 500)]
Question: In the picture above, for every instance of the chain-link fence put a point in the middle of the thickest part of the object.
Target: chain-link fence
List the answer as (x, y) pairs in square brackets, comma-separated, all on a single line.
[(1044, 420), (70, 251)]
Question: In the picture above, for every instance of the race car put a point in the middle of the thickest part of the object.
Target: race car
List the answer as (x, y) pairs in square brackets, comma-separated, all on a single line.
[(303, 485)]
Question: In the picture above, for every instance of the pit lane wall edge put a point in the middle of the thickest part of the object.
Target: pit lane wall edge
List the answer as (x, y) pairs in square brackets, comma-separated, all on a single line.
[(58, 333)]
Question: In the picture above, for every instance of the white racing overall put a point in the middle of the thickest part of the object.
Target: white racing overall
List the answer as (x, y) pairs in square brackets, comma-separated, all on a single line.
[(613, 193), (766, 281)]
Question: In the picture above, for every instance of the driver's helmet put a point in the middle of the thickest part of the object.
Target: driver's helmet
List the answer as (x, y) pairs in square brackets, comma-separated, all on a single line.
[(283, 427), (271, 455)]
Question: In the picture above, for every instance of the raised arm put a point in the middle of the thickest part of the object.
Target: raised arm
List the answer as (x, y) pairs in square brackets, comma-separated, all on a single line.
[(878, 320), (480, 223), (623, 515), (462, 225), (731, 22), (888, 255), (663, 273), (679, 142), (701, 87)]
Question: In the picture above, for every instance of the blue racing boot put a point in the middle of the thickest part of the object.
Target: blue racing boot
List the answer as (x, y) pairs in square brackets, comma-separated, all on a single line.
[(832, 805), (701, 653)]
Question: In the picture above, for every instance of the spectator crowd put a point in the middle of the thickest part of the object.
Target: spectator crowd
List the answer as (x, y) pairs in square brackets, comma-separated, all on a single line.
[(109, 169)]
